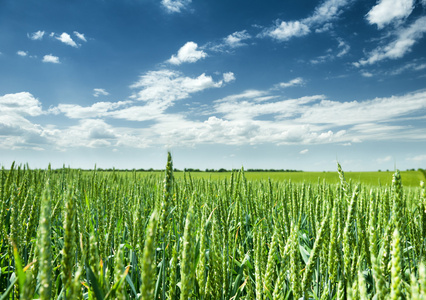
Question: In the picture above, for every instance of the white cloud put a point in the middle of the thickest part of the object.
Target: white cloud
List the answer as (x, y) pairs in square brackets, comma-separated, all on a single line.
[(254, 95), (66, 39), (285, 30), (343, 47), (175, 6), (323, 14), (414, 66), (418, 158), (80, 36), (38, 35), (402, 44), (49, 58), (293, 82), (187, 53), (235, 40), (326, 27), (22, 53), (327, 11), (304, 151), (366, 74), (370, 111), (388, 11), (228, 77), (16, 131), (23, 104), (100, 92), (168, 86), (91, 133), (98, 109)]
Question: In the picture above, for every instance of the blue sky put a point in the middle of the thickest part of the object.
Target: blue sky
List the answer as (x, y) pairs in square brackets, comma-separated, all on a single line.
[(260, 84)]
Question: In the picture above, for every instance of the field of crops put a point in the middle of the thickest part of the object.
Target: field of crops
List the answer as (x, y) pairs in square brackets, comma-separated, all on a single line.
[(69, 234), (409, 178)]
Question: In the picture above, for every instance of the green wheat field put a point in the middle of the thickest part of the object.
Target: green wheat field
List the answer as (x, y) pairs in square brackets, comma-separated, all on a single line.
[(72, 234)]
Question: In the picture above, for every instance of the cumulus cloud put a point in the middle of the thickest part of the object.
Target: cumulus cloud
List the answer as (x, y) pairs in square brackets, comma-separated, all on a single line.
[(23, 104), (228, 77), (91, 133), (100, 92), (401, 45), (187, 53), (22, 53), (388, 11), (283, 31), (80, 36), (49, 58), (16, 131), (175, 6), (66, 39), (38, 35)]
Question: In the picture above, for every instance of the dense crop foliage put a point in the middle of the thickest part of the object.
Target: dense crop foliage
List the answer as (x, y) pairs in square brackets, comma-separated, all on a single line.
[(69, 234)]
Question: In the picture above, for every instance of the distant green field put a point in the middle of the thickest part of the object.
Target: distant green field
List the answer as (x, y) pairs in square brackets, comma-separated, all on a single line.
[(409, 178)]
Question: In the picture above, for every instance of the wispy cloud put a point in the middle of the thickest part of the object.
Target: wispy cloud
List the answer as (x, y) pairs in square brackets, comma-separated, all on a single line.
[(236, 39), (412, 66), (418, 158), (38, 35), (80, 36), (320, 19), (293, 82), (49, 58), (98, 109), (187, 53), (401, 45), (168, 86), (327, 11), (230, 42), (175, 6), (304, 151), (66, 39), (388, 11), (100, 92), (342, 49)]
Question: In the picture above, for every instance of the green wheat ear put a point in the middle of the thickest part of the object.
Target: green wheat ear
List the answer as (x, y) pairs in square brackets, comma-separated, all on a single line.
[(44, 246), (147, 263), (187, 271), (396, 275)]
